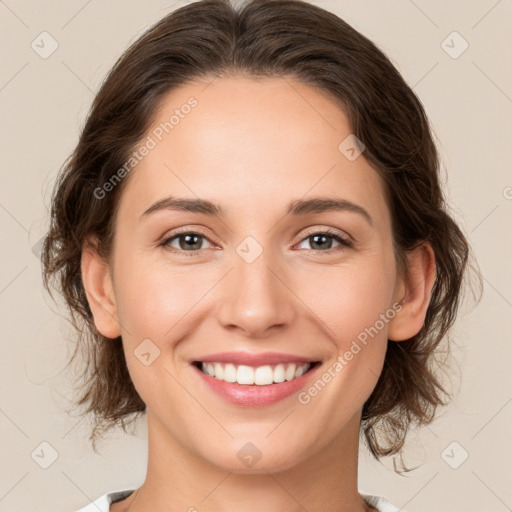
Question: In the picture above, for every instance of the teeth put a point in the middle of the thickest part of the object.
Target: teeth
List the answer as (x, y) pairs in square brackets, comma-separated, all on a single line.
[(261, 376), (245, 375), (229, 373)]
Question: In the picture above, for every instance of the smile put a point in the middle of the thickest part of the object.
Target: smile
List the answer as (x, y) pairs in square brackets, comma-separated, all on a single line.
[(248, 375), (254, 386)]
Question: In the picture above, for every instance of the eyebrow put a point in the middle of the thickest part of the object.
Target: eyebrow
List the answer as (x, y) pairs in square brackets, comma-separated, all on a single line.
[(296, 207)]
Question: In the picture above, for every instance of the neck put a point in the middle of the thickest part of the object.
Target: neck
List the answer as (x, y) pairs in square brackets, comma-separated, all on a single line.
[(178, 479)]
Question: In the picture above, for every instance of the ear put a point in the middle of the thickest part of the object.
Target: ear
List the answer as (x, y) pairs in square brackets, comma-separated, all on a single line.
[(413, 292), (99, 290)]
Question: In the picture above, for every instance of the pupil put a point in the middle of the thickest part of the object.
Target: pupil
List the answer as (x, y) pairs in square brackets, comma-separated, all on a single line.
[(315, 237), (189, 243)]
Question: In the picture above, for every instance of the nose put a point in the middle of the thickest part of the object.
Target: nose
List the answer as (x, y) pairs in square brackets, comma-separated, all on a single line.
[(256, 298)]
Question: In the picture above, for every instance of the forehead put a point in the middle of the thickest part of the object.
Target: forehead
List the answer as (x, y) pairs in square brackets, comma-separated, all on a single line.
[(248, 143)]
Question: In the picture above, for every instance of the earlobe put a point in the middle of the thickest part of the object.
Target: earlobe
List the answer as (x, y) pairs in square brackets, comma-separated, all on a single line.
[(99, 291), (413, 292)]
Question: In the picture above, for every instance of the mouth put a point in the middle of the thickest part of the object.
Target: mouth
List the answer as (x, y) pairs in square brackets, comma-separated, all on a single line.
[(264, 375), (248, 379)]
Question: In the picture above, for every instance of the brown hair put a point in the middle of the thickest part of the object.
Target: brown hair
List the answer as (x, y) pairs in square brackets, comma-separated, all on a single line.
[(262, 38)]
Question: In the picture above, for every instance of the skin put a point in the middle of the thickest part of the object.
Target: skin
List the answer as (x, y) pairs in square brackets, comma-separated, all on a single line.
[(252, 146)]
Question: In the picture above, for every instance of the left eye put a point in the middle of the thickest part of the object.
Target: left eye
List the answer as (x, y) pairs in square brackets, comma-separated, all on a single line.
[(319, 239), (191, 242)]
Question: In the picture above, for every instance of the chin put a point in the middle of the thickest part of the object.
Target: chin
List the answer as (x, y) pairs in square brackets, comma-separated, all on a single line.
[(247, 459)]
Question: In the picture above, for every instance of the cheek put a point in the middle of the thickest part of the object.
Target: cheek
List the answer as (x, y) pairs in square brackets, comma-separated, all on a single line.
[(153, 297), (158, 305), (155, 305), (350, 299)]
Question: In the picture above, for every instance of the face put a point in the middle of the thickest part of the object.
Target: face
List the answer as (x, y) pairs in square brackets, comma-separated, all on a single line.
[(256, 277)]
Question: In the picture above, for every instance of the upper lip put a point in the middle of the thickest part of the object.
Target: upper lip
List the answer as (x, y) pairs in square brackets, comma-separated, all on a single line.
[(248, 359)]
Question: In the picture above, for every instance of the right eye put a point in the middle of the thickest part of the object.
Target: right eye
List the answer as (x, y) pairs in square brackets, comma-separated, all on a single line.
[(188, 242)]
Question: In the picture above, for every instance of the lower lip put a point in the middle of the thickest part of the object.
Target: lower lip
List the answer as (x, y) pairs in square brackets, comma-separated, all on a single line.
[(253, 395)]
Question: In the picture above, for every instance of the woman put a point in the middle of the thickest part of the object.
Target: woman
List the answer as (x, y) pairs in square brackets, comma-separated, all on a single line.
[(225, 147)]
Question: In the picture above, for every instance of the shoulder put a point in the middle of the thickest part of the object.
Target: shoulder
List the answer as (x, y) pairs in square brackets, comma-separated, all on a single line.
[(102, 504), (381, 503)]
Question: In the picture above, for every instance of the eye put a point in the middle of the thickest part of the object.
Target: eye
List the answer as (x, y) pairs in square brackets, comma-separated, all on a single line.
[(320, 239), (187, 241)]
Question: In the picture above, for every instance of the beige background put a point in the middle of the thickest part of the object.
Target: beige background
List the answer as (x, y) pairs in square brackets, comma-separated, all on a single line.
[(43, 104)]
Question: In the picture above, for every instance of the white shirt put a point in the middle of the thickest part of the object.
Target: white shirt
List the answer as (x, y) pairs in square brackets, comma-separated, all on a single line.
[(102, 504)]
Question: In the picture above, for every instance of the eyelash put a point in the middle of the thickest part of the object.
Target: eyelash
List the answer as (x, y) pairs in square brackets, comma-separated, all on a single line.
[(345, 243)]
